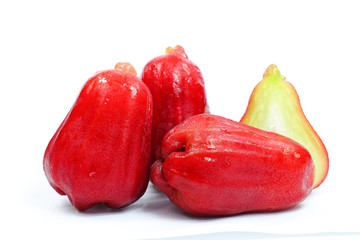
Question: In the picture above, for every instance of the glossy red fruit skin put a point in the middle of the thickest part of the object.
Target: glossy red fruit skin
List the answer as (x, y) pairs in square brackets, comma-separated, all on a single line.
[(178, 91), (101, 151), (215, 166)]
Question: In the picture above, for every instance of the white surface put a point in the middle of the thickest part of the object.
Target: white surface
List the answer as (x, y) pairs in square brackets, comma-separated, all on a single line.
[(48, 50)]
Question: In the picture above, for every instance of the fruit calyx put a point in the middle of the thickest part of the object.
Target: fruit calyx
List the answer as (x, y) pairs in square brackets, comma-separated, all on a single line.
[(176, 50), (272, 73), (125, 67)]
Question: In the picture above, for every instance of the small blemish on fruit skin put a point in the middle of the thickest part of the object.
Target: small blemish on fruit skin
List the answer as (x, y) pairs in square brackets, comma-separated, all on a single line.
[(297, 155), (92, 174)]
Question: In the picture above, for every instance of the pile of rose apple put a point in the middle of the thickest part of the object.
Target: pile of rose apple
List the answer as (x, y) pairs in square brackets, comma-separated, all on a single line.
[(123, 131)]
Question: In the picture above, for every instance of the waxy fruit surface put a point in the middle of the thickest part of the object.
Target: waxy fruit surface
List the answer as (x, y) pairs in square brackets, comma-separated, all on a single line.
[(274, 106), (178, 91), (101, 151), (215, 166)]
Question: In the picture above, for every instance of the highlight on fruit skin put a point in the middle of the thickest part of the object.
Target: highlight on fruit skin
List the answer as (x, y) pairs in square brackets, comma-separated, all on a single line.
[(274, 106)]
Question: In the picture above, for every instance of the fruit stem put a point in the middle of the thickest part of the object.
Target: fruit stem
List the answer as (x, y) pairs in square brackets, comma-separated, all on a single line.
[(125, 67), (176, 50), (273, 74)]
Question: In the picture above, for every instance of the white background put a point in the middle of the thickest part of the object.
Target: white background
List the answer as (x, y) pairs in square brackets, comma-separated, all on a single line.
[(50, 48)]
